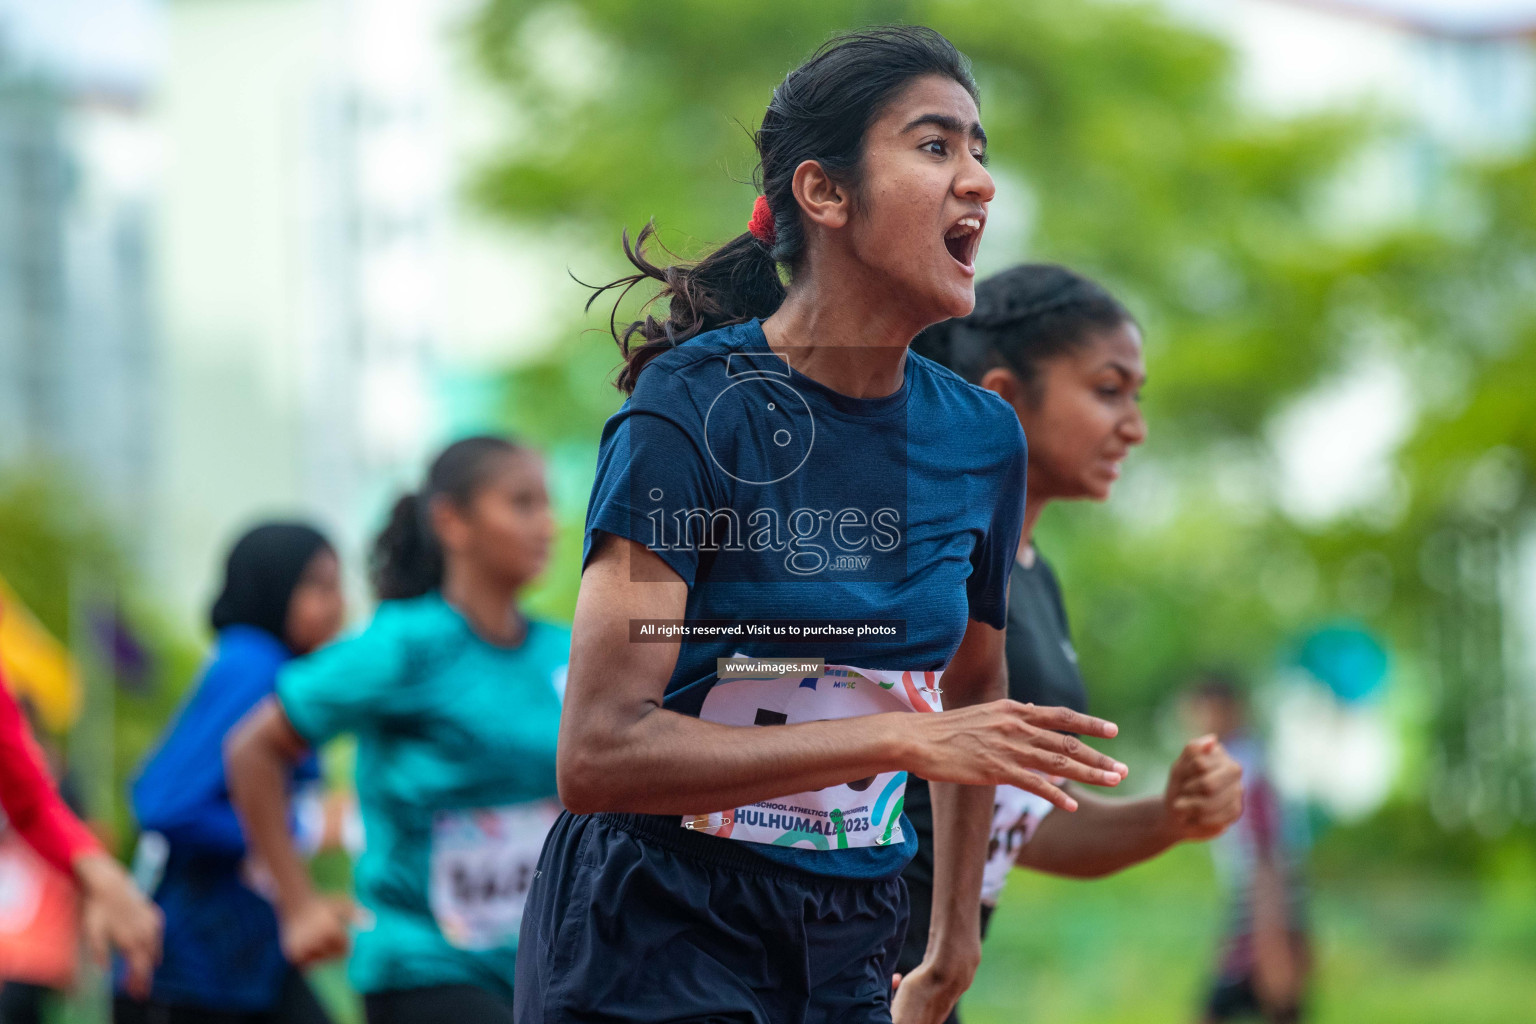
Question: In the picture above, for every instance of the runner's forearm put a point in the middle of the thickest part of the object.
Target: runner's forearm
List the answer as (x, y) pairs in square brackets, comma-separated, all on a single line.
[(258, 757), (1275, 969), (621, 750), (962, 818), (667, 763), (98, 873), (1102, 837)]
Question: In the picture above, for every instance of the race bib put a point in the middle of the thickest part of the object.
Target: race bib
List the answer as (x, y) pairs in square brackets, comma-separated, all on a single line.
[(483, 861), (1016, 813), (864, 812)]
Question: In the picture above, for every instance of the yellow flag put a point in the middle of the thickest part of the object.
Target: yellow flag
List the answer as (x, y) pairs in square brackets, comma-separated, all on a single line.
[(36, 664)]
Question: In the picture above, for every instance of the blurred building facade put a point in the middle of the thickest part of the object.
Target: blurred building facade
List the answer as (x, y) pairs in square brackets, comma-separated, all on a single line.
[(321, 283), (79, 362), (234, 279), (299, 350)]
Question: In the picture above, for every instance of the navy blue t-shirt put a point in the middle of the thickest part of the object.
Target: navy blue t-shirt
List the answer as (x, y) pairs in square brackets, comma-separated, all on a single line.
[(777, 498)]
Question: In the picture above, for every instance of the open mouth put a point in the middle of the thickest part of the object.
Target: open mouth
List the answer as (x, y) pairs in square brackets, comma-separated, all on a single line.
[(963, 239)]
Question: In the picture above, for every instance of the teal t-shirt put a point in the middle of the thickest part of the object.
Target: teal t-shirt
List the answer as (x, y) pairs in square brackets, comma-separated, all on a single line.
[(452, 732)]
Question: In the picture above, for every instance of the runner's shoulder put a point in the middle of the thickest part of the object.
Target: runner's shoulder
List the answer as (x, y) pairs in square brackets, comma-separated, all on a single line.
[(420, 629), (249, 647), (966, 406), (426, 612), (430, 624), (701, 361)]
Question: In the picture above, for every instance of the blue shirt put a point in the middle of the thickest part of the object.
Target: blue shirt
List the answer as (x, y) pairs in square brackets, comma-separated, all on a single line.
[(775, 497), (221, 938), (445, 722)]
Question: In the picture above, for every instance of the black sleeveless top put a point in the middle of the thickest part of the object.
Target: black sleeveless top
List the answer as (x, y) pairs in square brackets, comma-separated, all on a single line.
[(1042, 669)]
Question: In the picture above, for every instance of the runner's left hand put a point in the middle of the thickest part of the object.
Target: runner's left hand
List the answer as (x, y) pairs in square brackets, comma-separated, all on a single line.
[(927, 993), (1205, 790), (115, 915)]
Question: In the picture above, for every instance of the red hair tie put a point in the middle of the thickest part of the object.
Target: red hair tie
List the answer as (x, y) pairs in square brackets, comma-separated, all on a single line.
[(761, 224)]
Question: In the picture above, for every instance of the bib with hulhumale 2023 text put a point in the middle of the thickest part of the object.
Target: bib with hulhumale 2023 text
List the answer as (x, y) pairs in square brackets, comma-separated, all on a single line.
[(864, 812)]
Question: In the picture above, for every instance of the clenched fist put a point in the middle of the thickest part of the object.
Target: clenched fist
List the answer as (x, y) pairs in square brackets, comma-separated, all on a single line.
[(317, 930), (1205, 790)]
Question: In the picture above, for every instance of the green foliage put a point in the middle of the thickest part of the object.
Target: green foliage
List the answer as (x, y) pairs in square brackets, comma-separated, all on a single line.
[(1388, 946), (49, 535), (52, 543), (1120, 126)]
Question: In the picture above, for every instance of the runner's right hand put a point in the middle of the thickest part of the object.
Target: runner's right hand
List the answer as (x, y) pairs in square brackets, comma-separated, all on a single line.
[(115, 915), (317, 930), (1005, 742)]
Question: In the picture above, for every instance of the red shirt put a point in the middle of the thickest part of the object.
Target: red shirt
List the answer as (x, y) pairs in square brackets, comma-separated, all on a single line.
[(29, 797)]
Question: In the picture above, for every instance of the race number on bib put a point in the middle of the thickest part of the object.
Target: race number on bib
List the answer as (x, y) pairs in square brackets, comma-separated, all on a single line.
[(864, 812), (483, 861), (1016, 813)]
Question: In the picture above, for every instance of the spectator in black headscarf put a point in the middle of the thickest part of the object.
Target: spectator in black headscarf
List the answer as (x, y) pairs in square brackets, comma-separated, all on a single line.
[(281, 598)]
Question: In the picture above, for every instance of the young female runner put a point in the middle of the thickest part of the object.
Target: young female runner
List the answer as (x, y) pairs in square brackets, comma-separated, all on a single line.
[(735, 842), (281, 597), (1067, 357), (453, 695)]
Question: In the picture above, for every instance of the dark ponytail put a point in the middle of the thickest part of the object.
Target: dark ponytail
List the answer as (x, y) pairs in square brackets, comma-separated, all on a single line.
[(407, 559), (1023, 316), (820, 112), (733, 284)]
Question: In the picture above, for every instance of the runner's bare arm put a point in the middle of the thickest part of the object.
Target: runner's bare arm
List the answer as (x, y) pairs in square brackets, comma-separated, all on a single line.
[(1203, 796), (621, 751), (962, 816), (1103, 837), (258, 756)]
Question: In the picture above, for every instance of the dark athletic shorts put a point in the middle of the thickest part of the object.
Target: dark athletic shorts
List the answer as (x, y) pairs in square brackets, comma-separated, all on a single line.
[(632, 918), (437, 1004), (296, 1005)]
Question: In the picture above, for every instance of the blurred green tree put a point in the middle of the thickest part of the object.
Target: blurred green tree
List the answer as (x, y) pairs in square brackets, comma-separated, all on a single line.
[(52, 549), (1456, 296)]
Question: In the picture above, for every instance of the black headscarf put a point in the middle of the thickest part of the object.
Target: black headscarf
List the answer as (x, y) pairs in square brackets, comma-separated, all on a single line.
[(259, 579)]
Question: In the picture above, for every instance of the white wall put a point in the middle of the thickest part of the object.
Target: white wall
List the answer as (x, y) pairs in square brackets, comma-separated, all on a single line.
[(235, 108)]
